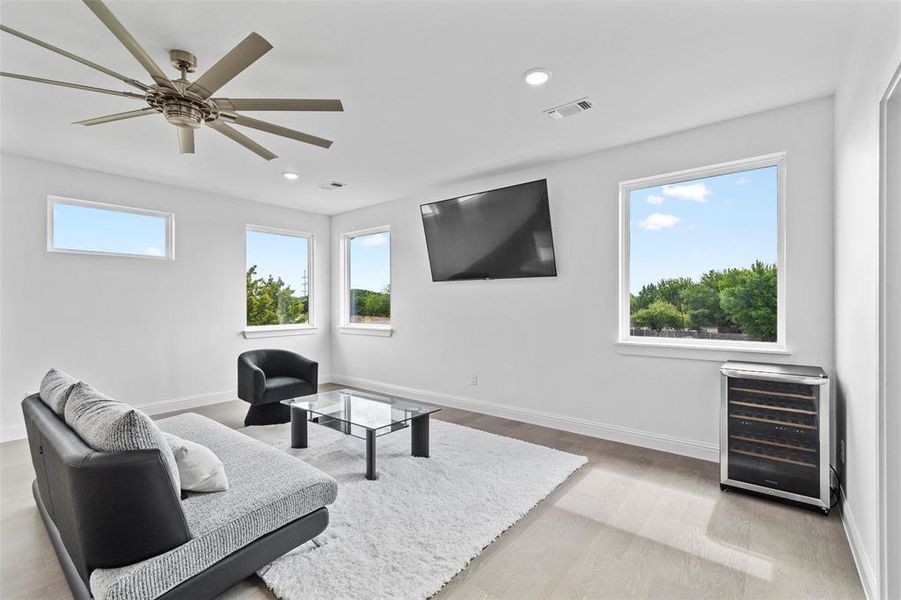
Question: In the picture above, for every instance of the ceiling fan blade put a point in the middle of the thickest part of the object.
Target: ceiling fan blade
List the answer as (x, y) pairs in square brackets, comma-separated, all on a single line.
[(278, 104), (241, 139), (77, 86), (131, 44), (278, 130), (75, 57), (236, 60), (185, 140), (117, 117)]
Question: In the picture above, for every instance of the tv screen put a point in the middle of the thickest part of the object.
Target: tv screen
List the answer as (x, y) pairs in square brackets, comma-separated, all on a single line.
[(498, 234)]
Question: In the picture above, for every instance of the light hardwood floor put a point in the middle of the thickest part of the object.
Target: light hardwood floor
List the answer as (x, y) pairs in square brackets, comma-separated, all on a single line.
[(632, 523)]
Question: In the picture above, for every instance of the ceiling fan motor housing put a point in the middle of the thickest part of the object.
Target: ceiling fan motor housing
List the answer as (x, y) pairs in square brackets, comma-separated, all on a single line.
[(183, 113)]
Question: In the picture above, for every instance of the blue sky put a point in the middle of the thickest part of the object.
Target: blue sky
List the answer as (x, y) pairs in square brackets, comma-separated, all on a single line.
[(101, 230), (688, 228), (370, 261), (278, 255)]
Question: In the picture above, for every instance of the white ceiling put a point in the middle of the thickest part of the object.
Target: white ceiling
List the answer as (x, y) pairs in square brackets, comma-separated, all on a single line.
[(432, 91)]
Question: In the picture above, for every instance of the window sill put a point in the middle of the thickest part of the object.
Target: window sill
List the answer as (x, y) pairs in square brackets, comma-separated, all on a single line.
[(278, 330), (689, 351), (377, 330)]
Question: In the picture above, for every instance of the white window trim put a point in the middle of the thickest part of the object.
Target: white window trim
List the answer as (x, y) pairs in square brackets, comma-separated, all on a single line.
[(258, 331), (345, 325), (170, 227), (686, 347)]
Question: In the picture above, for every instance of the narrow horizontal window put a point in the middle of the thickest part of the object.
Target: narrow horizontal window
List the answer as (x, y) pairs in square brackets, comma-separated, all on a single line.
[(703, 257), (278, 264), (93, 228)]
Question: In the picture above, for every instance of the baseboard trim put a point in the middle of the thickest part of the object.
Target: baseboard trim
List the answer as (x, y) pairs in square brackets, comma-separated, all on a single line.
[(186, 402), (864, 567), (9, 433), (606, 431)]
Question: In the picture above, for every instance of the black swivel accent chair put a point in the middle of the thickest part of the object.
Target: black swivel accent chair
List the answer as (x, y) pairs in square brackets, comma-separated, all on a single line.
[(266, 377)]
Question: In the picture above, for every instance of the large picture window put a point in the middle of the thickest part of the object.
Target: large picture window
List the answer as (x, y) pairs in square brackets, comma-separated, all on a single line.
[(367, 278), (702, 256), (82, 227), (279, 277)]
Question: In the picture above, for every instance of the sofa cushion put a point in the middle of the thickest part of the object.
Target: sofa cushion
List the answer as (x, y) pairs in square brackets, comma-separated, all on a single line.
[(55, 389), (282, 388), (267, 489), (111, 426), (199, 469)]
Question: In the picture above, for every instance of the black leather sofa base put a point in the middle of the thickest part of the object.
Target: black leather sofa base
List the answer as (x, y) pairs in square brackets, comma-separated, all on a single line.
[(215, 579)]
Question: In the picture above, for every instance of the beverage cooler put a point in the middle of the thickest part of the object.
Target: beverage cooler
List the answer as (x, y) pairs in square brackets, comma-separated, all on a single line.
[(774, 431)]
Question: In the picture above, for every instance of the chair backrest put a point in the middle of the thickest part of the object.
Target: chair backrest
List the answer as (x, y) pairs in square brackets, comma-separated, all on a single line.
[(272, 361), (111, 508)]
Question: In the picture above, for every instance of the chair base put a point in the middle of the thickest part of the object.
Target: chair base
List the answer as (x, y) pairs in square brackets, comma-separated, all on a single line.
[(267, 414)]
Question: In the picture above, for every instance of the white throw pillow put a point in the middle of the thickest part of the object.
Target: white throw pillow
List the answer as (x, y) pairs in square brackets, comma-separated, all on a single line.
[(199, 469)]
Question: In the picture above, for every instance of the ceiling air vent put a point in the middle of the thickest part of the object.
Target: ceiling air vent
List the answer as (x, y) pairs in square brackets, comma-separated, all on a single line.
[(569, 109), (332, 185)]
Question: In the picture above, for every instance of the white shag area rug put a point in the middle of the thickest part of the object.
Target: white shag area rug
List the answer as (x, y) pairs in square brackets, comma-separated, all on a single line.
[(408, 533)]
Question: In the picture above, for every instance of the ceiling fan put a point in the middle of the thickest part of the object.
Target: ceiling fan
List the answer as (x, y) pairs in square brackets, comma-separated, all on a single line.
[(184, 103)]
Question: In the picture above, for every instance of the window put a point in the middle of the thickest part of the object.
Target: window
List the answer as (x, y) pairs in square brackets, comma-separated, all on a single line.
[(83, 227), (279, 269), (702, 257), (367, 278)]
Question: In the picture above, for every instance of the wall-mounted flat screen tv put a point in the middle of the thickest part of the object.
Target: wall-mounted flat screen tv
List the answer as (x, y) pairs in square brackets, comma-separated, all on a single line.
[(498, 234)]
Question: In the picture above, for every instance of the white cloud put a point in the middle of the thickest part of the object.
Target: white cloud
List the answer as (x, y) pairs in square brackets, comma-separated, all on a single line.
[(654, 199), (369, 241), (153, 251), (742, 180), (696, 192), (658, 221)]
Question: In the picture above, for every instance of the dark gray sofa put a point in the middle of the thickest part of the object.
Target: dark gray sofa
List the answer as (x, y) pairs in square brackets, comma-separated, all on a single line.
[(121, 531)]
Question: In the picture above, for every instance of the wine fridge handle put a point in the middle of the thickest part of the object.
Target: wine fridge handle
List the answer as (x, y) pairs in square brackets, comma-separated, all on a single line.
[(773, 377)]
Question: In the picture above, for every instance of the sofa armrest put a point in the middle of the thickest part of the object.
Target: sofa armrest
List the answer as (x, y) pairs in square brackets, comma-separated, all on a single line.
[(124, 508), (251, 381)]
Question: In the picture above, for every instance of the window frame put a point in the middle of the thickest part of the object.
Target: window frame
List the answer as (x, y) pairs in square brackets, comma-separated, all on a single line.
[(345, 325), (253, 331), (53, 200), (636, 343)]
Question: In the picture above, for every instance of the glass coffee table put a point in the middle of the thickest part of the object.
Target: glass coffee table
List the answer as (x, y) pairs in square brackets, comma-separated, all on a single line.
[(363, 415)]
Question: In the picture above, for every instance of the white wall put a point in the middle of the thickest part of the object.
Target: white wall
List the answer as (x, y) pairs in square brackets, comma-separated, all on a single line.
[(874, 56), (544, 349), (891, 299), (142, 331)]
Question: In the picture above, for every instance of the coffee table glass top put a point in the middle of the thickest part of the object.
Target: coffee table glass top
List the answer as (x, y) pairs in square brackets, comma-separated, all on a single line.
[(353, 412)]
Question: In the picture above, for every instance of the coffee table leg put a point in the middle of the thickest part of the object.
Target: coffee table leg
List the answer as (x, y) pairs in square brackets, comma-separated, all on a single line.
[(298, 427), (370, 455), (420, 436)]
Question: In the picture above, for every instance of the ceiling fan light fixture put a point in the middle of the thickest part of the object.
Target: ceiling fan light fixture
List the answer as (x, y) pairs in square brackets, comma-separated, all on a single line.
[(182, 113), (290, 175), (537, 76)]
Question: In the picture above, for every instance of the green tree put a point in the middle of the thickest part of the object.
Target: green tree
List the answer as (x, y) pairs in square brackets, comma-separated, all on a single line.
[(749, 297), (659, 315), (270, 301), (366, 303), (667, 290)]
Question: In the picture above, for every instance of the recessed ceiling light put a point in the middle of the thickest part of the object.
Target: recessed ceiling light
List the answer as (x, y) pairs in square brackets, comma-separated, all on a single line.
[(537, 76), (290, 175)]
